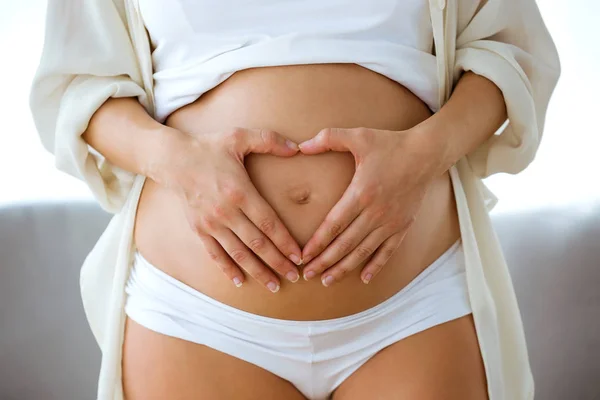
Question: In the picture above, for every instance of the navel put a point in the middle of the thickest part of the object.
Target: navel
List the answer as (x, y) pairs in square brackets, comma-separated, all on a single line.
[(299, 194)]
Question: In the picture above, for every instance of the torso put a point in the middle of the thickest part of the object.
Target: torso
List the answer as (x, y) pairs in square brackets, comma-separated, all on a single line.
[(297, 101)]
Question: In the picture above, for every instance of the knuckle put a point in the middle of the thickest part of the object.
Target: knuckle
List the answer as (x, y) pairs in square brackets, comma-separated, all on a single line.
[(369, 193), (268, 137), (365, 135), (378, 265), (377, 212), (396, 226), (227, 269), (320, 247), (234, 194), (257, 244), (321, 266), (213, 255), (193, 198), (207, 222), (344, 246), (355, 194), (325, 135), (364, 252), (219, 211), (334, 229), (239, 256), (404, 224), (360, 131), (343, 270), (388, 252), (267, 226), (237, 134), (261, 276), (279, 265), (196, 227)]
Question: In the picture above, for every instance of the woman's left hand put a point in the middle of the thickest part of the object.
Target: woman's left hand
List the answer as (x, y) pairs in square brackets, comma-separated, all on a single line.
[(393, 172)]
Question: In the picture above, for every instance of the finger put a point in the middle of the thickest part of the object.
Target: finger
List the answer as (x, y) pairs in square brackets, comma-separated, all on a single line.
[(222, 259), (336, 221), (247, 260), (263, 141), (268, 222), (256, 241), (343, 245), (381, 257), (365, 250), (328, 139)]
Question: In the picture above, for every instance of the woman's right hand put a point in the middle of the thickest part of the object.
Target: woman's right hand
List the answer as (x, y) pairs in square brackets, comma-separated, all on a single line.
[(233, 221)]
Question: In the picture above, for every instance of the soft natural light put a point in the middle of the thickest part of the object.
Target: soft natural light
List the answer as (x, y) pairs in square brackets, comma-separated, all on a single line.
[(565, 171)]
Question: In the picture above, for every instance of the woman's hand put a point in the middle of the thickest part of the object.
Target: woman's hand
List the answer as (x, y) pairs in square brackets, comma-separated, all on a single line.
[(393, 171), (223, 207)]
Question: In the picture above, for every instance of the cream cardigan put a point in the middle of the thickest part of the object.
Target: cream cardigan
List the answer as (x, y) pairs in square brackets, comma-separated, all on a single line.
[(99, 49)]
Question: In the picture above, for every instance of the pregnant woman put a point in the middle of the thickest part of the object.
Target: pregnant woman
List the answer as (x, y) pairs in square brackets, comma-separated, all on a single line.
[(299, 212)]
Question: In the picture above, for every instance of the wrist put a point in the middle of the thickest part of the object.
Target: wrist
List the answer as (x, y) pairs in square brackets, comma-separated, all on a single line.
[(157, 156), (473, 113), (431, 146)]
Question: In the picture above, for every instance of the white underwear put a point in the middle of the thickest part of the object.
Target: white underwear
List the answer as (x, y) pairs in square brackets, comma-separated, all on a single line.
[(315, 356)]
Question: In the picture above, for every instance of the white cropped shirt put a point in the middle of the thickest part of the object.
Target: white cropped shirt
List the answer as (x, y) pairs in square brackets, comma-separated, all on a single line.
[(197, 44)]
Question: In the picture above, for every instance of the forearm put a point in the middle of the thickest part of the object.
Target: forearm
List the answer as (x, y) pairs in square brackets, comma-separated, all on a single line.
[(472, 115), (123, 132)]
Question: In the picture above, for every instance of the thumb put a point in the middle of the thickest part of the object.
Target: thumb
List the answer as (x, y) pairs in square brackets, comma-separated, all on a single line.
[(266, 141), (328, 139)]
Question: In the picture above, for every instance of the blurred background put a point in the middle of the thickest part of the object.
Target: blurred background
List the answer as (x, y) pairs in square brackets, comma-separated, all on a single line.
[(547, 219)]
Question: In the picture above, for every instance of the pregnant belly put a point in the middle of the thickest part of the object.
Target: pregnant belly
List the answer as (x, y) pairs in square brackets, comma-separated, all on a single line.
[(297, 101)]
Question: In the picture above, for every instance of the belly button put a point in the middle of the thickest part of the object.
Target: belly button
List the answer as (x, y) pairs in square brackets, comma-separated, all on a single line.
[(299, 195)]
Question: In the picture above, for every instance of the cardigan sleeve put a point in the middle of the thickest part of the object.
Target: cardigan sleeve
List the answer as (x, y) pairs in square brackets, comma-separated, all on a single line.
[(86, 59), (507, 42)]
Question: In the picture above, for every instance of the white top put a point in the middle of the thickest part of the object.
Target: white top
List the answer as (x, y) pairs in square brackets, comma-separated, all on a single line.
[(197, 44), (104, 52)]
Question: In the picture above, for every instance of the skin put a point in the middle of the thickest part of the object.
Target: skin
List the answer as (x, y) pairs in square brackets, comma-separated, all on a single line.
[(155, 372), (296, 102), (373, 216), (174, 161), (442, 362), (309, 99)]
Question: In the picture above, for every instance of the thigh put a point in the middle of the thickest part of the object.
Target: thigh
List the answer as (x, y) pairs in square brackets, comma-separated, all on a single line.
[(160, 367), (442, 362)]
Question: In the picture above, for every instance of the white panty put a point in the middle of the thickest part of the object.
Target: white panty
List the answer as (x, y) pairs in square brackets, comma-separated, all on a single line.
[(315, 356)]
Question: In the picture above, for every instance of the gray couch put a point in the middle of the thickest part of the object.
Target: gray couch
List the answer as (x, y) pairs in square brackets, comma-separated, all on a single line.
[(48, 353)]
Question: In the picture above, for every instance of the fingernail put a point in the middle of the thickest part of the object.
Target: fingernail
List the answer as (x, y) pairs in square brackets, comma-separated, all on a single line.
[(306, 142), (309, 275), (291, 144), (367, 278), (292, 276), (237, 281), (306, 259), (295, 259), (273, 287), (327, 281)]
